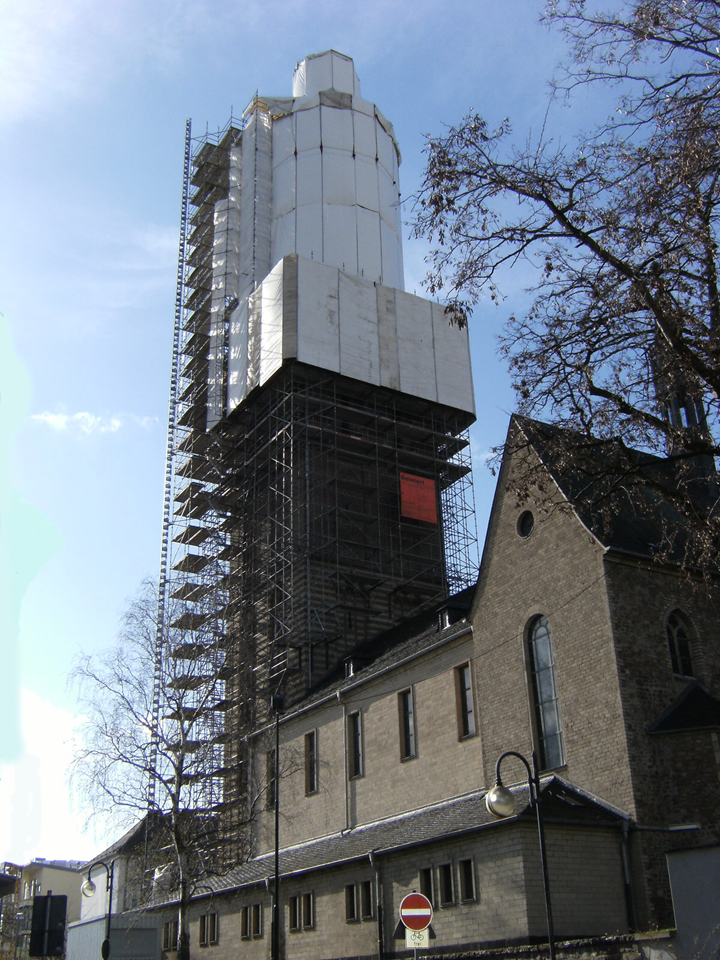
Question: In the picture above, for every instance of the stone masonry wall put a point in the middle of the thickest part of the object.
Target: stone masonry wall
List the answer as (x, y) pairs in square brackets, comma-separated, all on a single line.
[(556, 572)]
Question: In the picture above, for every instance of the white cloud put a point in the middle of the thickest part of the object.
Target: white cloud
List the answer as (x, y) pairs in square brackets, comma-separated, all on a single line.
[(36, 817), (90, 423)]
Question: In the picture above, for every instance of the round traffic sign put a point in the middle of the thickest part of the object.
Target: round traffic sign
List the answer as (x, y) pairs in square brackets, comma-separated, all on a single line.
[(416, 911)]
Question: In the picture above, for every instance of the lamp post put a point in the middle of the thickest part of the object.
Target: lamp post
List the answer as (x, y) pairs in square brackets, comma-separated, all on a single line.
[(501, 803), (88, 890), (277, 705)]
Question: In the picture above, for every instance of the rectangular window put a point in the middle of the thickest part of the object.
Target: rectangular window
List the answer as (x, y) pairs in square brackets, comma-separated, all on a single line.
[(355, 752), (445, 879), (311, 780), (467, 880), (270, 783), (257, 918), (366, 900), (208, 929), (406, 717), (464, 701), (351, 913), (426, 884), (245, 923), (294, 914), (308, 911), (170, 935)]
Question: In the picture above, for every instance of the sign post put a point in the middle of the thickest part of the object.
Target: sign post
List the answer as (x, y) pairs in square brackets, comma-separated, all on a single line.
[(416, 914)]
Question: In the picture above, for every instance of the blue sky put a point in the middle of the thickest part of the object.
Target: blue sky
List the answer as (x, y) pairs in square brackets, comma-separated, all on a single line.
[(93, 103)]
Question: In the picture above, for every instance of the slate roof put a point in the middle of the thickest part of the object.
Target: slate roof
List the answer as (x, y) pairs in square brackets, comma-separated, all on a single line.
[(125, 844), (693, 709), (562, 801), (623, 496), (403, 642)]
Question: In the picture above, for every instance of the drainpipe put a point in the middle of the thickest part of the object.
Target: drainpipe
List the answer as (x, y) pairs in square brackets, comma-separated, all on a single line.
[(345, 762), (378, 905), (624, 848)]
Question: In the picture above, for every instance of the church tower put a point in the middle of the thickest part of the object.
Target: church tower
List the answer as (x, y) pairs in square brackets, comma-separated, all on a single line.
[(319, 488)]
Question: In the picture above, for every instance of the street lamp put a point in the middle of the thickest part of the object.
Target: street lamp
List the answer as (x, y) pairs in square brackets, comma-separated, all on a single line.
[(88, 890), (501, 803)]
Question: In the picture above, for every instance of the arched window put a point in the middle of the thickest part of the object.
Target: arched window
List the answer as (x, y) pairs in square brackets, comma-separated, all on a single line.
[(678, 634), (549, 738)]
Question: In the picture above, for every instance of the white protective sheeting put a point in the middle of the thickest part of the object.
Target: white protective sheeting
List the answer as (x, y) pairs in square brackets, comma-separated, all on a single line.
[(334, 150), (453, 391), (238, 356), (318, 314), (342, 323), (320, 71), (315, 190), (416, 348), (271, 324), (359, 347), (336, 128), (340, 229), (368, 241), (225, 285)]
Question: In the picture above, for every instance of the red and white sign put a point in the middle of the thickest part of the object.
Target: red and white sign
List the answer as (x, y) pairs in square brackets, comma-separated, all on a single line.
[(416, 911)]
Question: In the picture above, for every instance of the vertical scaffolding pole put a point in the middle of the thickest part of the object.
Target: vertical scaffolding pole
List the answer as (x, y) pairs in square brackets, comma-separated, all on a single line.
[(163, 584)]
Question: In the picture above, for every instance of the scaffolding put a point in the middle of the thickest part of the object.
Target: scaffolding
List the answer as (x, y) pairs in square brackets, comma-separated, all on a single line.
[(286, 544)]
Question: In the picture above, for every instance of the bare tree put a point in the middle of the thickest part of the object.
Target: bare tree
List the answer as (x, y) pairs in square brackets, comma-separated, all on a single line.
[(152, 744), (621, 342)]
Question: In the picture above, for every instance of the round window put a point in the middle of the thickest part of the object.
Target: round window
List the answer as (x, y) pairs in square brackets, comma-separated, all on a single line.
[(525, 524)]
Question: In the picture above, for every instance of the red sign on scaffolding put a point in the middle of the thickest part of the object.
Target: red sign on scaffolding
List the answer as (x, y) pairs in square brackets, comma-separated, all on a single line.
[(418, 500)]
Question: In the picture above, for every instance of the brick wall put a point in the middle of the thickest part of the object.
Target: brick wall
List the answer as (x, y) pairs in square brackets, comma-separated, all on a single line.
[(557, 572), (507, 902), (675, 776), (444, 766)]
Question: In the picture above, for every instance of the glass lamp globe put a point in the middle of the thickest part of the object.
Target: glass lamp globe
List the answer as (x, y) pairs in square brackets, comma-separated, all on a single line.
[(88, 888), (500, 801)]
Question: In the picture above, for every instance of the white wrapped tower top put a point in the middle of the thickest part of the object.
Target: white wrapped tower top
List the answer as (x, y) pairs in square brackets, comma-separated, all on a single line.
[(323, 71), (315, 177)]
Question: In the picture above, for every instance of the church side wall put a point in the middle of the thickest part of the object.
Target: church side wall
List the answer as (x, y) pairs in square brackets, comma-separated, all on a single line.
[(675, 775), (557, 572), (444, 764)]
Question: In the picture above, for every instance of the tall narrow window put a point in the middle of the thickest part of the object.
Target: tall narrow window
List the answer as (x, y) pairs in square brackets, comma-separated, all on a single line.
[(270, 782), (311, 781), (351, 913), (467, 880), (208, 929), (678, 634), (257, 926), (464, 701), (426, 884), (294, 914), (445, 879), (355, 752), (170, 935), (406, 718), (308, 911), (366, 899), (544, 689)]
